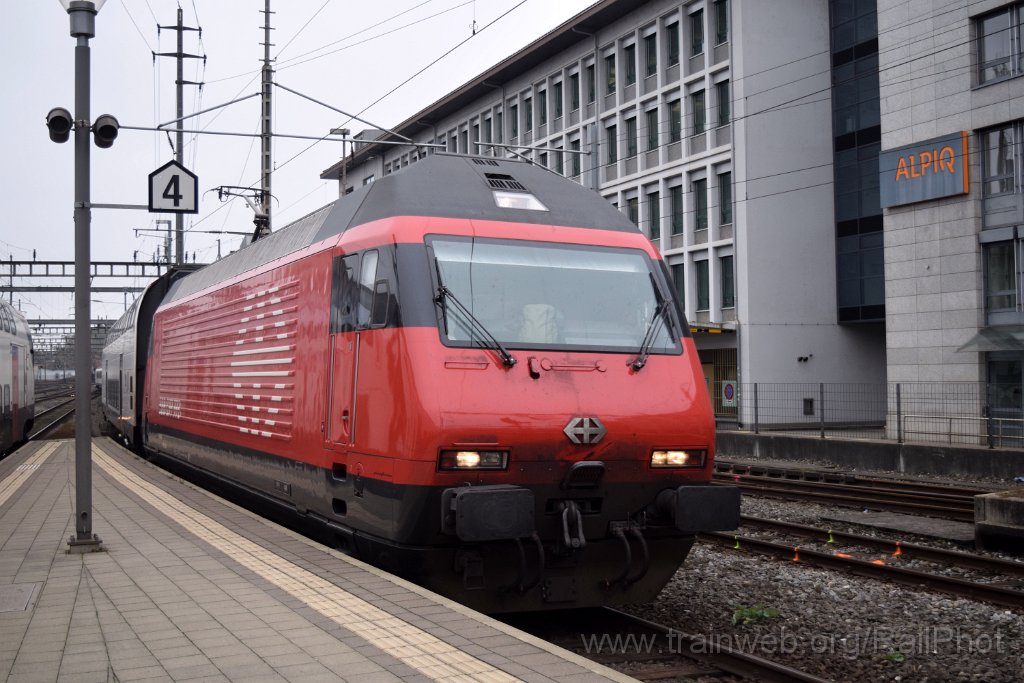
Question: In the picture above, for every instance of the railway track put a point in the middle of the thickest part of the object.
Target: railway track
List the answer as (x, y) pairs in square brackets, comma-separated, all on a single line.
[(812, 474), (878, 567), (51, 418), (895, 497), (649, 651)]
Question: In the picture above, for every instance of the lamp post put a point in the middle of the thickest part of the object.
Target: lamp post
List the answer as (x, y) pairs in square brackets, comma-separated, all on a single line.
[(83, 27), (344, 132)]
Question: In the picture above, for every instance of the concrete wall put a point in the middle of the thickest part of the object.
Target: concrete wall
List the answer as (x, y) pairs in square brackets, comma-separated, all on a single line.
[(785, 199), (920, 459)]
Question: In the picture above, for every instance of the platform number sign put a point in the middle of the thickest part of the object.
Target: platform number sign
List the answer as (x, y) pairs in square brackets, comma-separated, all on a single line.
[(173, 189)]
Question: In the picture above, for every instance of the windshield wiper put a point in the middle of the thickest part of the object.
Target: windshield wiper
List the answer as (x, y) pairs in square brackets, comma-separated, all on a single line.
[(652, 328), (444, 293)]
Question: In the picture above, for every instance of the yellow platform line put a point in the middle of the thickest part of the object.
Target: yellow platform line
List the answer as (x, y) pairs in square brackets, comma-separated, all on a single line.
[(10, 484), (412, 646)]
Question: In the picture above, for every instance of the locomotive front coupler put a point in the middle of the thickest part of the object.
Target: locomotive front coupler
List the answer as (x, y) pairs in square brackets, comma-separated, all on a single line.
[(571, 538)]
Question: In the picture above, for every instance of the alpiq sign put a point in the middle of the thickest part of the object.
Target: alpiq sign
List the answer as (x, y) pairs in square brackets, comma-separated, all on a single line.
[(926, 170)]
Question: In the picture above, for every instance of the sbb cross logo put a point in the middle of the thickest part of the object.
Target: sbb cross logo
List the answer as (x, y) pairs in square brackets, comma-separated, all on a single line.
[(585, 430)]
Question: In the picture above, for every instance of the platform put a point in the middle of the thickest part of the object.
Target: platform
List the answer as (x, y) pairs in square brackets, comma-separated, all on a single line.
[(189, 587), (999, 521), (957, 532)]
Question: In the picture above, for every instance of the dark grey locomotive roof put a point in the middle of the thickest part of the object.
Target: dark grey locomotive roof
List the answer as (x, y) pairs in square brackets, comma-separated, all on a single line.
[(442, 185)]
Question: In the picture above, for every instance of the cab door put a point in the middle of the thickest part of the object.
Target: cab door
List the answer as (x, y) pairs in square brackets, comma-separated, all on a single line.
[(352, 296), (341, 380)]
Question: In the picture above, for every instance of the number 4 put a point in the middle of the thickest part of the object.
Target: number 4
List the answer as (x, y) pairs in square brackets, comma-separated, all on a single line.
[(172, 191)]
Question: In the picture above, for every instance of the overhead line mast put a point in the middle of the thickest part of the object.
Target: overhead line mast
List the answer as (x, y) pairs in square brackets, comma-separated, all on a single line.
[(263, 222), (179, 145)]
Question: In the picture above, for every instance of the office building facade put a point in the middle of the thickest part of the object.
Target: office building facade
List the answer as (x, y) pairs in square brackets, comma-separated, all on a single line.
[(741, 136)]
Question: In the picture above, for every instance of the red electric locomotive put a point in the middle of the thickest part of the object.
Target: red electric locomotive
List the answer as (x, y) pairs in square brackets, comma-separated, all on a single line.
[(472, 372)]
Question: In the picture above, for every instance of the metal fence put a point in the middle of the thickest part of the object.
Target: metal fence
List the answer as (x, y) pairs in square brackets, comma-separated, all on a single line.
[(952, 413)]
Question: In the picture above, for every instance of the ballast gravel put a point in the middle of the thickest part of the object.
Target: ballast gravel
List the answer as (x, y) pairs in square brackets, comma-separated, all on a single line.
[(831, 624)]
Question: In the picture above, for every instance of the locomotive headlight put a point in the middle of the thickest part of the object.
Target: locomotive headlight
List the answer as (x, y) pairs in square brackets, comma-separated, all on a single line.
[(473, 460), (689, 458)]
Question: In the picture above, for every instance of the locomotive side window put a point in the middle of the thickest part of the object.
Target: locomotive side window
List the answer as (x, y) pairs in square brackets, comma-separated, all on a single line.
[(367, 280), (344, 293)]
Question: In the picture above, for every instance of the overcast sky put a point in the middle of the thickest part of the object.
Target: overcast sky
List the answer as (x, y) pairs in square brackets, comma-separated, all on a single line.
[(341, 52)]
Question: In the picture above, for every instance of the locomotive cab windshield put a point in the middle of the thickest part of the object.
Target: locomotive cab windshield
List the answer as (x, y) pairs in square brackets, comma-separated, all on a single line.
[(520, 294)]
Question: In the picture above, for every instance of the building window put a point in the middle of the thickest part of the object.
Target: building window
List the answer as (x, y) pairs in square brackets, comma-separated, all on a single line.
[(513, 115), (464, 142), (675, 121), (1000, 277), (542, 159), (697, 107), (676, 199), (612, 136), (558, 100), (672, 31), (498, 127), (633, 210), (679, 279), (629, 54), (652, 130), (722, 92), (574, 159), (368, 179), (861, 272), (724, 198), (609, 71), (697, 32), (528, 110), (631, 137), (700, 204), (653, 216), (1000, 200), (542, 107), (559, 164), (453, 147), (999, 44), (476, 138), (728, 282), (721, 21), (650, 54), (700, 273), (574, 92), (591, 84)]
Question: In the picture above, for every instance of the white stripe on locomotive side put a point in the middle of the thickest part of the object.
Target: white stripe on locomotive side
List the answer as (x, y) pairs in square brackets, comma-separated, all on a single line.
[(265, 373), (266, 361), (269, 349)]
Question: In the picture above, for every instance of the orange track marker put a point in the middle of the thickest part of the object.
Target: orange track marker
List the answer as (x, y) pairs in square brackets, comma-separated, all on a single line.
[(899, 550), (796, 553)]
